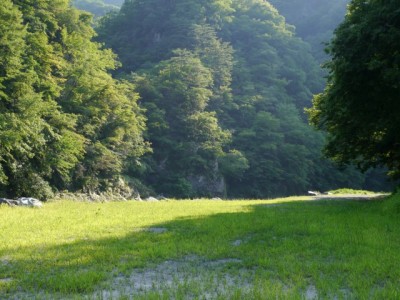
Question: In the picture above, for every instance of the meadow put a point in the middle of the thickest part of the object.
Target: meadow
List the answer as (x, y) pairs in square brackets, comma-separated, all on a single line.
[(291, 248)]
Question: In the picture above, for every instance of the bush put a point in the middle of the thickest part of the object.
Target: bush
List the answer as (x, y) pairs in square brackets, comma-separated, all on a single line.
[(177, 187), (31, 185)]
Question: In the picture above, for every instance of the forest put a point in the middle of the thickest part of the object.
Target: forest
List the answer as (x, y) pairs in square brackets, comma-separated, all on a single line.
[(181, 98)]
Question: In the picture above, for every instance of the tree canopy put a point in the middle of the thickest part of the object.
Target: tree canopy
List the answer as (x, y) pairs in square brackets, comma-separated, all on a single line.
[(205, 98), (359, 107), (98, 7), (255, 79), (315, 20), (64, 121)]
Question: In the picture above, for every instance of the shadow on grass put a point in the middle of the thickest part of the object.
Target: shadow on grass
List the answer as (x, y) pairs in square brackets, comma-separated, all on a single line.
[(333, 246)]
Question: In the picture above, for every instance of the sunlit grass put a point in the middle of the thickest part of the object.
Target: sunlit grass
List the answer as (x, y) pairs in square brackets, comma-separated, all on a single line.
[(291, 250), (351, 192)]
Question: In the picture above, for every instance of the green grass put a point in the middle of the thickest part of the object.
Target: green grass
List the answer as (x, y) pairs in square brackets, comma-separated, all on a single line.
[(235, 249), (351, 192)]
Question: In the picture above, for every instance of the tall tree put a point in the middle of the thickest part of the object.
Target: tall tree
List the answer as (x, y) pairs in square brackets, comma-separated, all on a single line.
[(58, 103), (217, 56), (186, 139), (38, 140), (359, 106)]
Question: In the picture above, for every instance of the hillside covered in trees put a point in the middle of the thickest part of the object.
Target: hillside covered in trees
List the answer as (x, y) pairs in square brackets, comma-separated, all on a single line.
[(315, 20), (252, 77), (203, 98), (65, 122), (98, 7)]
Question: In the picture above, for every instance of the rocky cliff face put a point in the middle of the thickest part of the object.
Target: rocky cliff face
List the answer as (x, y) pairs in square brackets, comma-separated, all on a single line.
[(208, 186)]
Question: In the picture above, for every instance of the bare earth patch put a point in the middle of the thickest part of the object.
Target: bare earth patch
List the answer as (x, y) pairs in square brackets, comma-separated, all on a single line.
[(6, 280), (198, 277), (192, 277), (311, 293)]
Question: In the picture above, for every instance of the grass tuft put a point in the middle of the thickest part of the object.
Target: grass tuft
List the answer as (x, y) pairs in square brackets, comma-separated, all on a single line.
[(347, 191)]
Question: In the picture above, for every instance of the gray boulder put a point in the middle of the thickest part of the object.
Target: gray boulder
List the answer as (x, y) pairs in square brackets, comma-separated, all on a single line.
[(9, 202), (151, 199), (314, 193), (23, 201), (31, 202), (216, 199)]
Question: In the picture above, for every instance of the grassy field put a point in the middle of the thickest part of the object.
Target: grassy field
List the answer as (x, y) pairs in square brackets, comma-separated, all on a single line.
[(289, 248)]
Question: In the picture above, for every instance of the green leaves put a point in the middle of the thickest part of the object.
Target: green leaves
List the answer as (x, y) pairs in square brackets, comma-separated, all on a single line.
[(187, 139), (61, 113), (31, 130), (233, 164), (358, 107), (224, 85), (98, 7)]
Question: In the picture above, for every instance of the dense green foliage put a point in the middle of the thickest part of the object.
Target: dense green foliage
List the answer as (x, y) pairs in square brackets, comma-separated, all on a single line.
[(254, 77), (186, 139), (314, 20), (208, 101), (64, 122), (359, 107), (98, 7)]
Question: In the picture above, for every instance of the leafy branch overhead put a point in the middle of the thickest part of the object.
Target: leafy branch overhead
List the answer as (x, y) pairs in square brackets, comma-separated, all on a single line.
[(360, 103)]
